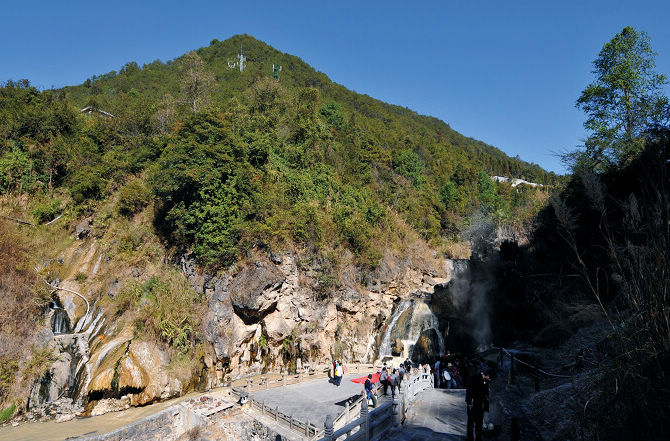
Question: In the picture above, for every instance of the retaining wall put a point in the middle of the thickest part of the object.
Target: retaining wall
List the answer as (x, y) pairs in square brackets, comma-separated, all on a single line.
[(166, 425)]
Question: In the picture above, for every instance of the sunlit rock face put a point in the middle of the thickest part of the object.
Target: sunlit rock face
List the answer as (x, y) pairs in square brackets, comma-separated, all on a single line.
[(273, 312)]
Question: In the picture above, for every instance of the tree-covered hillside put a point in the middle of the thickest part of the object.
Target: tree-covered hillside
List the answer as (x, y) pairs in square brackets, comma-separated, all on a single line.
[(232, 160)]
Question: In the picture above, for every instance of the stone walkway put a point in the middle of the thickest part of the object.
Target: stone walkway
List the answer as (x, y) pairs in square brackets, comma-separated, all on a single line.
[(311, 400), (435, 415)]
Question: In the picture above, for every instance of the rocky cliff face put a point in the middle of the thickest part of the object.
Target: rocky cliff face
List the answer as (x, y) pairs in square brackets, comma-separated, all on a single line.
[(267, 313), (270, 312)]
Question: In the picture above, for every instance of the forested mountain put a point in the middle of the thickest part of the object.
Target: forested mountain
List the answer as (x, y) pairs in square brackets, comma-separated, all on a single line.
[(234, 158)]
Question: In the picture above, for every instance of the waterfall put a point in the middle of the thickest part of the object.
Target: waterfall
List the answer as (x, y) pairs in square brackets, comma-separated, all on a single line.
[(81, 324), (385, 347), (69, 375), (421, 318), (60, 321)]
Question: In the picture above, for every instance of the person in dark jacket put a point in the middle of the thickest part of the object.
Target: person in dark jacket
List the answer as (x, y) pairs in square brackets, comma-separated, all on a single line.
[(394, 382), (370, 390), (384, 379), (477, 400)]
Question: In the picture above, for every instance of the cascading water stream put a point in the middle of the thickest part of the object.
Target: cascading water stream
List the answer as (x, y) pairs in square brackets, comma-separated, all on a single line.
[(69, 375), (60, 321), (421, 318), (385, 347)]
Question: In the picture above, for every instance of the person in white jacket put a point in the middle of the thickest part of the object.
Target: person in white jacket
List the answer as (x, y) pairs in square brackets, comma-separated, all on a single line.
[(339, 372)]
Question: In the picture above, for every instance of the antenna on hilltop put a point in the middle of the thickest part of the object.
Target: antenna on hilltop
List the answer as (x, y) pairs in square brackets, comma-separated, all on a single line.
[(241, 62), (241, 59), (275, 71)]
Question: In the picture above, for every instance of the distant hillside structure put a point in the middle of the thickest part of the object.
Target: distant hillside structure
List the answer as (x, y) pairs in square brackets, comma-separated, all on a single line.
[(90, 110), (514, 181), (240, 63), (275, 71)]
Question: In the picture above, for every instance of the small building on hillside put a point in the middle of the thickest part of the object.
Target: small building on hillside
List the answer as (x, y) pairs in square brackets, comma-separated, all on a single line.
[(89, 110), (514, 181)]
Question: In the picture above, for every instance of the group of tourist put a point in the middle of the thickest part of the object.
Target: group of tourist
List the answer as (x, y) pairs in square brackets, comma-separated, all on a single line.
[(389, 376), (448, 371)]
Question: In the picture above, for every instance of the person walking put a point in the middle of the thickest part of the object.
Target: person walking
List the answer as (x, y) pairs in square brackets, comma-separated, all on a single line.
[(395, 382), (437, 374), (370, 391), (477, 400), (384, 379), (401, 375)]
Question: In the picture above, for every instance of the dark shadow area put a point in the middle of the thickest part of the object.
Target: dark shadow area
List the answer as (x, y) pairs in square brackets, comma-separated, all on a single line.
[(350, 400)]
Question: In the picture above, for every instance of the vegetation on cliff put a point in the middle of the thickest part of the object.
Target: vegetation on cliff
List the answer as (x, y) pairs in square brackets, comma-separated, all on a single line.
[(24, 299)]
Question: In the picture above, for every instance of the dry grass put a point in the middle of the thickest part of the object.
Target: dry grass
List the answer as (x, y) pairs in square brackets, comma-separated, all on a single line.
[(457, 250), (631, 399), (24, 299)]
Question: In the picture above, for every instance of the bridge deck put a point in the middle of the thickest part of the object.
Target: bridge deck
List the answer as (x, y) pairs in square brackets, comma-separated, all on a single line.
[(435, 415)]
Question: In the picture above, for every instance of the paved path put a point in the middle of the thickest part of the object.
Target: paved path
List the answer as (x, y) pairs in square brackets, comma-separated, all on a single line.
[(311, 400), (435, 415)]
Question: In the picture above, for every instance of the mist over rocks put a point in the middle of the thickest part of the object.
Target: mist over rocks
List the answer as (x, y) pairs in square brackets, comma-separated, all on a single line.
[(463, 305)]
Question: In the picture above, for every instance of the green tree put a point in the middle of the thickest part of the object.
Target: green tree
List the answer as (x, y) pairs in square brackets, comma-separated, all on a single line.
[(334, 114), (625, 100), (15, 171), (409, 164)]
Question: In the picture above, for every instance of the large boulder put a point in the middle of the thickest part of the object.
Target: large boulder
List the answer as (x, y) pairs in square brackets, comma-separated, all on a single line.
[(427, 347), (136, 369), (107, 405), (254, 291), (397, 348), (277, 327)]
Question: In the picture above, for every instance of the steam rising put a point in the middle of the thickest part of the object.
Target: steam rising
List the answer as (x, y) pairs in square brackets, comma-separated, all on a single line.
[(472, 283), (470, 296)]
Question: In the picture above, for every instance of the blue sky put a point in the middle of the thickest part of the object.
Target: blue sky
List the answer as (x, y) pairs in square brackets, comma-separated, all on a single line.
[(507, 73)]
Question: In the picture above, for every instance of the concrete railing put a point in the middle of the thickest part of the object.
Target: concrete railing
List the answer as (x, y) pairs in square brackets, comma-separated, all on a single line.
[(303, 427), (417, 383), (369, 426)]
